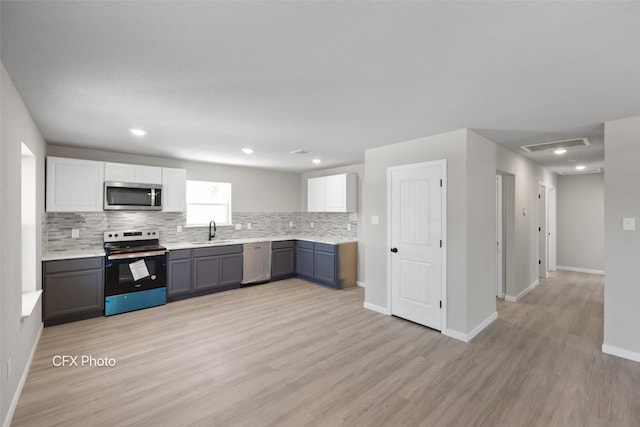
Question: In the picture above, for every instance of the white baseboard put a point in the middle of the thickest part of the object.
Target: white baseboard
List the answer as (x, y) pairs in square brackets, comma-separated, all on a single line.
[(452, 333), (523, 293), (359, 283), (377, 308), (620, 352), (580, 270), (461, 336), (23, 379)]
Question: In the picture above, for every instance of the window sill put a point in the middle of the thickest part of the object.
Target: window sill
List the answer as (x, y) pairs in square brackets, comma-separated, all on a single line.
[(29, 301)]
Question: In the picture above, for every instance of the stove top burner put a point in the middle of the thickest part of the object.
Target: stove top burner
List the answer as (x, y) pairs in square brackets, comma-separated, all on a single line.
[(132, 242)]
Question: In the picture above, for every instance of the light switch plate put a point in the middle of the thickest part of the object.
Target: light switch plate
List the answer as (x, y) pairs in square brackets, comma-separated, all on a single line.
[(290, 224), (629, 224), (238, 226), (179, 228), (248, 226), (311, 224), (348, 227), (75, 233), (375, 220)]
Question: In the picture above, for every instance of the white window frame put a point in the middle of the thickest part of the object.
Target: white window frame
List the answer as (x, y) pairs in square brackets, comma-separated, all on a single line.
[(228, 205)]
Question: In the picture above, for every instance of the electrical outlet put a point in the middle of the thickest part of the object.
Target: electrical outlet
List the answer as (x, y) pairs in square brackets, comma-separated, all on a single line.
[(629, 224), (238, 226), (290, 224), (348, 227), (8, 369), (375, 219), (311, 225), (75, 233), (179, 229), (248, 226)]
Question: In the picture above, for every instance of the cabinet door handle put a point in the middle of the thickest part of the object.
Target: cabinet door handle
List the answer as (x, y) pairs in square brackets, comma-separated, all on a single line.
[(394, 250)]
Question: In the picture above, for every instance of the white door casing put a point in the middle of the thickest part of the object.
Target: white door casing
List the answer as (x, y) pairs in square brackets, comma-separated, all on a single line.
[(499, 238), (416, 207)]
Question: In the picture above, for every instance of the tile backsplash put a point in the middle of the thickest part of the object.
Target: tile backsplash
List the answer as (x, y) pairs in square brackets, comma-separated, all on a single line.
[(91, 225)]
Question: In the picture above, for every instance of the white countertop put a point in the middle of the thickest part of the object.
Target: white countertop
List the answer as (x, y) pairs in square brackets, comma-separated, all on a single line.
[(73, 254), (226, 242), (88, 253)]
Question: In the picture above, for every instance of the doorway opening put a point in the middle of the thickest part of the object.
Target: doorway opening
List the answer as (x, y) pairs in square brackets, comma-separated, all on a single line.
[(543, 233)]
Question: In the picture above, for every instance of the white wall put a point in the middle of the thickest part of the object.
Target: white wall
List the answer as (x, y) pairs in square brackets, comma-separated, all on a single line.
[(470, 240), (622, 266), (254, 190), (17, 337), (522, 253), (580, 221), (359, 170)]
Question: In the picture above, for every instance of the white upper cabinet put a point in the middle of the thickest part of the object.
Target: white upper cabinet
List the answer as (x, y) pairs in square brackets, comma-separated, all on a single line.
[(333, 193), (174, 190), (74, 185), (316, 193), (122, 172)]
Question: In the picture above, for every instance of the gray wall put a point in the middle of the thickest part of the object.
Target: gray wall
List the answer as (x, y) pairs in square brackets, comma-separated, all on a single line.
[(522, 242), (622, 200), (17, 337), (470, 215), (580, 221), (254, 190), (359, 170)]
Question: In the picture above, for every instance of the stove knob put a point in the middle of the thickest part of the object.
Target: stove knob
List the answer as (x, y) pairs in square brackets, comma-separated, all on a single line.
[(148, 233), (154, 233), (110, 235), (115, 235)]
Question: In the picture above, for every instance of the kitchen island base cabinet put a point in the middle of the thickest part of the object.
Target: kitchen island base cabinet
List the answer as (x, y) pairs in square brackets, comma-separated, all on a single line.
[(327, 264), (73, 290), (203, 271)]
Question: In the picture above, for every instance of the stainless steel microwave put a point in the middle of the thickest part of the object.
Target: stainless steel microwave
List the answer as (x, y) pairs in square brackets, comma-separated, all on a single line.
[(129, 196)]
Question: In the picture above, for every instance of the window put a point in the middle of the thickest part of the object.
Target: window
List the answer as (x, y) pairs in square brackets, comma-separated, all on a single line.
[(208, 201)]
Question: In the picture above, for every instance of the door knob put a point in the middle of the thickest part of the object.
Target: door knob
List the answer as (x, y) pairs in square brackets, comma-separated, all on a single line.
[(394, 250)]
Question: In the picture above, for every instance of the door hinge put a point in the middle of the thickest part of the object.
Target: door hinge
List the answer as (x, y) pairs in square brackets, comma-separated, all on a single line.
[(440, 183), (539, 229), (440, 243), (539, 262), (440, 304), (539, 196)]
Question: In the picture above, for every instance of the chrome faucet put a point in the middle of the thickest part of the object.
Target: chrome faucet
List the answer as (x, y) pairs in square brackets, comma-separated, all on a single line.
[(212, 224)]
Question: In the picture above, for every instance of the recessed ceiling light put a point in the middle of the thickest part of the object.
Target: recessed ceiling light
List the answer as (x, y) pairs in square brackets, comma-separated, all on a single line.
[(316, 161), (138, 132), (580, 167), (560, 151), (247, 150)]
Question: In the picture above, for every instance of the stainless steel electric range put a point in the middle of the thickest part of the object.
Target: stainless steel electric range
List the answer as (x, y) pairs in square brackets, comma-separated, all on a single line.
[(135, 270)]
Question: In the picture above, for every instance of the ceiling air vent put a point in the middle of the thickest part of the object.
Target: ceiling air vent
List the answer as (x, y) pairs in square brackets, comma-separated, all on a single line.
[(300, 151), (550, 146), (580, 172)]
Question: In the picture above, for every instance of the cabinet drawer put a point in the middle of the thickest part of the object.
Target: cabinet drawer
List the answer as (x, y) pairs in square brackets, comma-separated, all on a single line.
[(73, 265), (282, 244), (324, 247), (304, 244), (180, 254), (217, 250)]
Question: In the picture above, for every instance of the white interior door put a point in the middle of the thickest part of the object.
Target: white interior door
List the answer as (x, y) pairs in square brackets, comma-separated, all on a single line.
[(542, 232), (415, 237), (499, 249)]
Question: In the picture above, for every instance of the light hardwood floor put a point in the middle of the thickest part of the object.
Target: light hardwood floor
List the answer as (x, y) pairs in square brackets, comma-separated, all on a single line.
[(292, 353)]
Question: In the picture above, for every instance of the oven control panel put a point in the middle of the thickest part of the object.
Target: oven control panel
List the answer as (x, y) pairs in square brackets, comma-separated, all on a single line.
[(130, 235)]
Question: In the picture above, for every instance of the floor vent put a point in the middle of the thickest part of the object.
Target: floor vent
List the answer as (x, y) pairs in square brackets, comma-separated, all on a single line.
[(550, 146), (583, 171)]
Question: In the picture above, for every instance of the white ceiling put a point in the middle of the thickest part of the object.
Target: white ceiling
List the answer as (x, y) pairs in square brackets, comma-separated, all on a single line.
[(209, 78)]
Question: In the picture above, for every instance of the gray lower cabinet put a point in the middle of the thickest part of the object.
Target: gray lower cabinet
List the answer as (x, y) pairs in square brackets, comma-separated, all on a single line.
[(304, 259), (72, 290), (330, 265), (194, 272), (283, 259), (179, 272)]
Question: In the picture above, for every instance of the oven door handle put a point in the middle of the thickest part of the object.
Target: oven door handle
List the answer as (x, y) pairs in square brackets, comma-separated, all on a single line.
[(137, 255)]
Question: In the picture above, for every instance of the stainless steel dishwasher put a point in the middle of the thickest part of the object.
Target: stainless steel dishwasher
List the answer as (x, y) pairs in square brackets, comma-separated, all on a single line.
[(257, 262)]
